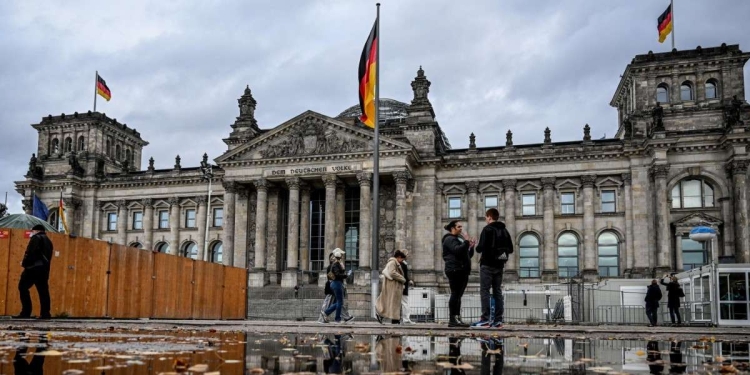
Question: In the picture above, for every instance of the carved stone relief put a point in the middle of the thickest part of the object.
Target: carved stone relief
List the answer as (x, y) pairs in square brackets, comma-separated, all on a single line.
[(387, 236), (313, 137)]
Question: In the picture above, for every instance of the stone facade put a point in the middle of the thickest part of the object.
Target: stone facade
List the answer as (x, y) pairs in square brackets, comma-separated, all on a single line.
[(284, 197)]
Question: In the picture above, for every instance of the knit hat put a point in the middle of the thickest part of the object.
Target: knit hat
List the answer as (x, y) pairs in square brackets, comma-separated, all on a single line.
[(39, 227)]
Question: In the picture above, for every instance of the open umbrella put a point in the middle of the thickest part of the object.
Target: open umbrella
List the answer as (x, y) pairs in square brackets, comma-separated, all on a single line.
[(702, 234), (23, 221)]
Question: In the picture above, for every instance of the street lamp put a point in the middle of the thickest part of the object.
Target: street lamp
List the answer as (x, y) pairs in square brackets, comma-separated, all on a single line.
[(208, 174)]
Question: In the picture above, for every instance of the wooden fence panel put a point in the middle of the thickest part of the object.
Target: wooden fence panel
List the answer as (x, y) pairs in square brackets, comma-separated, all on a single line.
[(92, 263), (18, 243), (62, 275), (207, 290), (131, 283), (173, 287), (234, 304), (4, 257)]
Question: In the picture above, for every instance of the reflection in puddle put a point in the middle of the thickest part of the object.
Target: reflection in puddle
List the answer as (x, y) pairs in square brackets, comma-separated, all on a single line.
[(182, 351)]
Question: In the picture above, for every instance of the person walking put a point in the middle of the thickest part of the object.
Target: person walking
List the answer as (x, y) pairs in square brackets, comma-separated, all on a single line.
[(494, 246), (330, 298), (337, 275), (36, 266), (389, 301), (458, 250), (405, 310), (653, 296), (674, 293)]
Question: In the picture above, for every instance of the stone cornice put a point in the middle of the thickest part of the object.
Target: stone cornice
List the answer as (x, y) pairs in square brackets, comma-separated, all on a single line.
[(317, 158)]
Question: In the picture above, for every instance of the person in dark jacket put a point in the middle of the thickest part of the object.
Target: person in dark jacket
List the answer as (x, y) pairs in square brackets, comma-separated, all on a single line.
[(676, 365), (674, 293), (337, 285), (458, 250), (36, 266), (330, 298), (494, 246), (653, 296)]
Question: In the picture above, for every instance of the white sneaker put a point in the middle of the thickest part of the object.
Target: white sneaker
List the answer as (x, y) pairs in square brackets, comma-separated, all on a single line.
[(408, 322)]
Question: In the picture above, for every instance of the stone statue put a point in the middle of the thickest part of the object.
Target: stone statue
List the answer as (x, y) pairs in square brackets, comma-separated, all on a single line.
[(658, 116), (75, 167), (587, 133), (628, 125), (472, 141), (732, 114), (151, 163), (547, 135), (177, 165)]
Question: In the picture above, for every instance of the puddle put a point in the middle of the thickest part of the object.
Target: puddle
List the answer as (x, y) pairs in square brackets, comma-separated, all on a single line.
[(146, 351)]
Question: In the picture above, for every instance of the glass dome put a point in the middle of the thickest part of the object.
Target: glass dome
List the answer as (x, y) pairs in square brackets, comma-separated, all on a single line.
[(389, 110)]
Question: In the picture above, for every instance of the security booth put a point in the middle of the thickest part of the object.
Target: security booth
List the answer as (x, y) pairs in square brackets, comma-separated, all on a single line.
[(717, 294)]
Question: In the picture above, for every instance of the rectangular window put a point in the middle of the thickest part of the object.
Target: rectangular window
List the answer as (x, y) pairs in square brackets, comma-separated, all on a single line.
[(137, 220), (454, 207), (608, 201), (351, 228), (190, 218), (112, 221), (163, 219), (568, 201), (490, 201), (218, 217), (529, 204), (318, 255)]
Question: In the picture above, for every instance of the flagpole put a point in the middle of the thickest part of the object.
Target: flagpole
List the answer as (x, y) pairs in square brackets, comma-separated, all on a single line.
[(96, 78), (374, 278), (671, 5)]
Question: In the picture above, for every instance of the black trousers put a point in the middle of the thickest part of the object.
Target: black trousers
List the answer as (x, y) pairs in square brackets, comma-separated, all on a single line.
[(457, 281), (675, 311), (38, 277), (652, 313)]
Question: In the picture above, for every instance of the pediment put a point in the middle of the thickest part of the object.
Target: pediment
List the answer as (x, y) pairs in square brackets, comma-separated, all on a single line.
[(528, 185), (490, 188), (697, 219), (454, 190), (309, 134), (609, 181), (567, 184), (188, 203)]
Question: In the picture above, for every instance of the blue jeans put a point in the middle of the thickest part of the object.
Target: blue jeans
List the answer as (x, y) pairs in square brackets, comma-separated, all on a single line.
[(338, 290)]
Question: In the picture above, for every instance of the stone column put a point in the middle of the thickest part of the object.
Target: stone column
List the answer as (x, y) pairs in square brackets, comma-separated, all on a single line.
[(511, 269), (99, 206), (71, 207), (340, 215), (148, 223), (738, 171), (727, 215), (402, 178), (589, 230), (549, 265), (629, 253), (438, 244), (304, 227), (330, 181), (201, 223), (471, 228), (678, 251), (258, 278), (663, 231), (241, 201), (289, 278), (365, 221), (174, 225), (122, 221), (230, 189)]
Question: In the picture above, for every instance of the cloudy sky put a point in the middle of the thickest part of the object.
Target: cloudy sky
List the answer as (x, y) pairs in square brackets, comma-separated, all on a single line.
[(176, 68)]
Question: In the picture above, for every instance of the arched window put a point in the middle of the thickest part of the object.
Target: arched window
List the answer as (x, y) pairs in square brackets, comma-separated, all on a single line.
[(54, 219), (127, 155), (136, 245), (190, 250), (694, 253), (692, 193), (711, 92), (609, 254), (132, 158), (81, 143), (528, 248), (55, 146), (686, 91), (68, 144), (662, 93), (118, 153), (567, 255), (109, 148), (162, 247), (217, 252)]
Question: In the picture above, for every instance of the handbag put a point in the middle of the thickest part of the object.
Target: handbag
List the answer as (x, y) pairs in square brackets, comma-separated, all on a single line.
[(331, 276)]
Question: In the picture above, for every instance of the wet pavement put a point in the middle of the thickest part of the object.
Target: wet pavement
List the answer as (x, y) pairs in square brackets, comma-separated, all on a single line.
[(162, 348)]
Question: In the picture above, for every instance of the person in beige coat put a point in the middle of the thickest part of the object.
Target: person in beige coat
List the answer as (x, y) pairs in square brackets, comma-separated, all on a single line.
[(392, 280)]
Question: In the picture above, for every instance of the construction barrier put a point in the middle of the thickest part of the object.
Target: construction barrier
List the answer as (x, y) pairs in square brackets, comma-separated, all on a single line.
[(96, 279)]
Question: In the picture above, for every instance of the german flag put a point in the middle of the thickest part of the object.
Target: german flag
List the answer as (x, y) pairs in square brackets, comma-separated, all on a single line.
[(368, 77), (102, 89), (61, 213), (664, 24)]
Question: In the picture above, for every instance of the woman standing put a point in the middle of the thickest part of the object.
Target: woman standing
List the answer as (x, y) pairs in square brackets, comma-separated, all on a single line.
[(389, 300), (337, 275), (458, 250)]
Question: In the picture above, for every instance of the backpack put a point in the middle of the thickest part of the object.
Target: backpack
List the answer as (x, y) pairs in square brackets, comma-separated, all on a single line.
[(500, 242)]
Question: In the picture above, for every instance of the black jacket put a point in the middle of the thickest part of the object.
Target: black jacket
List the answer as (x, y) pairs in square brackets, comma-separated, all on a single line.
[(674, 293), (653, 296), (456, 254), (38, 252), (338, 270), (405, 269), (493, 243)]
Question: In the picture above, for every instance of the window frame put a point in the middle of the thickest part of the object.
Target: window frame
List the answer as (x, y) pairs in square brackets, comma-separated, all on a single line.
[(452, 210), (665, 87), (497, 202), (213, 247), (577, 256), (704, 252), (524, 205), (715, 85), (160, 225), (690, 90), (194, 218), (136, 221), (215, 217), (186, 248), (602, 202), (563, 205), (110, 222), (81, 143), (599, 256), (528, 272), (162, 245), (681, 194)]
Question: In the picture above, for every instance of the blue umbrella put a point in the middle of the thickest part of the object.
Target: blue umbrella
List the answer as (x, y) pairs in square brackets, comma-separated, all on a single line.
[(702, 234)]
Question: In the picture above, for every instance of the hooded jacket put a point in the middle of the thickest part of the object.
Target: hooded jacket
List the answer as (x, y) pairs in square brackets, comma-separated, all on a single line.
[(494, 242), (38, 252), (653, 296), (456, 254)]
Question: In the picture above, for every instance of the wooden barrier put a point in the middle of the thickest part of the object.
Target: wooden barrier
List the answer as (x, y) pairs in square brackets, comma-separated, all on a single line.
[(91, 278)]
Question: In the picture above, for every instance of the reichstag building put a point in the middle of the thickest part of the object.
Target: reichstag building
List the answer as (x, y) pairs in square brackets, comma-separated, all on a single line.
[(285, 196)]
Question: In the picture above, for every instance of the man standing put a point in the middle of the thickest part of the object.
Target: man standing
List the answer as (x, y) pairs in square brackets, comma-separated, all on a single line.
[(494, 246), (36, 266), (653, 296)]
